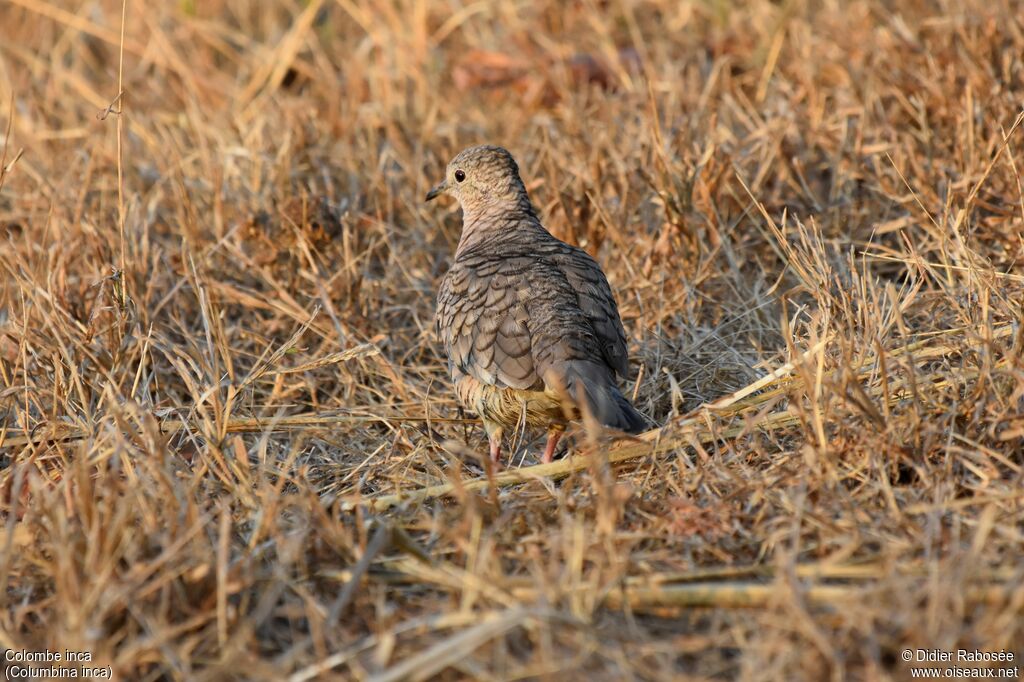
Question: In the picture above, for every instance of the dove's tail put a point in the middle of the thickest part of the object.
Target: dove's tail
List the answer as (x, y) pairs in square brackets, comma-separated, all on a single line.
[(594, 386)]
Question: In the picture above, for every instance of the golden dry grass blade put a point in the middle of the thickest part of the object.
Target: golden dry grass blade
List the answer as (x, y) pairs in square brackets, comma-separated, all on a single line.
[(454, 648), (79, 23), (361, 351), (280, 59), (752, 595)]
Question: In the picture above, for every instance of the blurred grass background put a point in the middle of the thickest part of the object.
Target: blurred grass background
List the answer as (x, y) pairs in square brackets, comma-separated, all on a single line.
[(216, 337)]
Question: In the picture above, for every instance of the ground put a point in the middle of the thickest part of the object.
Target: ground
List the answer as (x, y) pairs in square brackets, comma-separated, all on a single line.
[(229, 448)]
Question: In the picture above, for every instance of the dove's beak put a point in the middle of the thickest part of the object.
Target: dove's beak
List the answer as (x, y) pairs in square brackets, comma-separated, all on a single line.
[(437, 191)]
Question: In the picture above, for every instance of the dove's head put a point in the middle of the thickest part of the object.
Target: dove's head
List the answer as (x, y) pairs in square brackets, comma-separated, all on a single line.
[(484, 179)]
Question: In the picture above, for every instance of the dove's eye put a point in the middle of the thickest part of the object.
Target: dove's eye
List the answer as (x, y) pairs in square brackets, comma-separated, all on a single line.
[(460, 176)]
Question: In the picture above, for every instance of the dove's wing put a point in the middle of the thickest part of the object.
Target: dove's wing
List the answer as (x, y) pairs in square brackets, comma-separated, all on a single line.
[(596, 301), (484, 324)]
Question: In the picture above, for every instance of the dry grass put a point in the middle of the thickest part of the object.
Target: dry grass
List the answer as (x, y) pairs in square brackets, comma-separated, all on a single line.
[(228, 447)]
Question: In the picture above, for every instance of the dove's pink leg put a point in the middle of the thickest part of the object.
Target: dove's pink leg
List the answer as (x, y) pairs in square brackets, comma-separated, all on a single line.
[(495, 442), (549, 449), (494, 436)]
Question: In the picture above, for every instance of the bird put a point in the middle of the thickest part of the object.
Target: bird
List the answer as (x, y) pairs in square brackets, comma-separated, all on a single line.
[(529, 323)]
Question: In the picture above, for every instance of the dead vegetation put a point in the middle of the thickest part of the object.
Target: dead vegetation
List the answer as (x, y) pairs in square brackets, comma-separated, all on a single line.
[(228, 446)]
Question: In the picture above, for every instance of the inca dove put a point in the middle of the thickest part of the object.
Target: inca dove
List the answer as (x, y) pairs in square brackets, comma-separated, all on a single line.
[(529, 322)]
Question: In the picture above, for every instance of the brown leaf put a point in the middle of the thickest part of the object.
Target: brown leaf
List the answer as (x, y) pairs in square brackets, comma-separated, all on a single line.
[(487, 69)]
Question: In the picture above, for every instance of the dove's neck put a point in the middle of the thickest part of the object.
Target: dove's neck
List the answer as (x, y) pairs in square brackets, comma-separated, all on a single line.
[(499, 223)]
